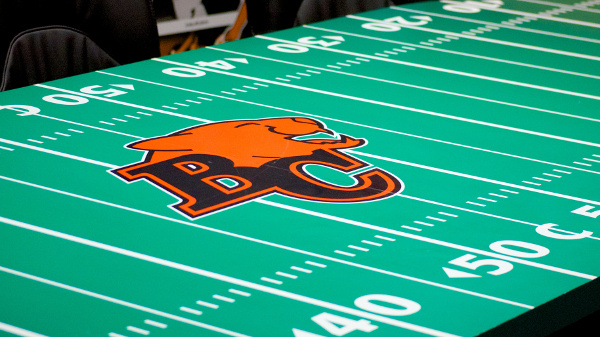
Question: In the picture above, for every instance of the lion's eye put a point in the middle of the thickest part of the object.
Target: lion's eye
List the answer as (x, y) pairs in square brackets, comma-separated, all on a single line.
[(317, 135)]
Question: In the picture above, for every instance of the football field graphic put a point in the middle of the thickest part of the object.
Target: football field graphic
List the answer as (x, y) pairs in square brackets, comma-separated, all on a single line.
[(429, 169)]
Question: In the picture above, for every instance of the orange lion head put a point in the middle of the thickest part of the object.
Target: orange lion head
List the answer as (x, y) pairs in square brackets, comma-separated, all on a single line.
[(248, 143)]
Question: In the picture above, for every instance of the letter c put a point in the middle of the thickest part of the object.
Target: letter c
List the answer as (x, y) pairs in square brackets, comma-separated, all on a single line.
[(545, 231)]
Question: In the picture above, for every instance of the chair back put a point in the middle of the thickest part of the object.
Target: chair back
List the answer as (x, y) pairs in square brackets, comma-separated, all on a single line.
[(97, 33)]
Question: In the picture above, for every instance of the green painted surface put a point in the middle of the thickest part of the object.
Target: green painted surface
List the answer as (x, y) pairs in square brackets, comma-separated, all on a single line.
[(493, 134)]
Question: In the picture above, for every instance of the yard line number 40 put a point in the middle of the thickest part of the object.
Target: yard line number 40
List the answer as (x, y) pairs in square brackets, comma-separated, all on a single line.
[(340, 326)]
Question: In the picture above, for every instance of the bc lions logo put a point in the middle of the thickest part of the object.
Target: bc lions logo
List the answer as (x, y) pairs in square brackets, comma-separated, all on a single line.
[(215, 166)]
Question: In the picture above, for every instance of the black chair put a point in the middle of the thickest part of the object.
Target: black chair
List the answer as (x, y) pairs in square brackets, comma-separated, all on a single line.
[(311, 11), (266, 16), (43, 40)]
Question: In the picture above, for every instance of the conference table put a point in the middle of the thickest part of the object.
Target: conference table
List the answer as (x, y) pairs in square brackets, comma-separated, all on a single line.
[(430, 169)]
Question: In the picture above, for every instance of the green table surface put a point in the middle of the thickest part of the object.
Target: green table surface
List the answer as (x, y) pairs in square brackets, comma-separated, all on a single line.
[(429, 169)]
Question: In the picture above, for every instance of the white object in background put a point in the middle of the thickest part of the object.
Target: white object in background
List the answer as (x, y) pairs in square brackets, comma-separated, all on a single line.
[(188, 9), (194, 24)]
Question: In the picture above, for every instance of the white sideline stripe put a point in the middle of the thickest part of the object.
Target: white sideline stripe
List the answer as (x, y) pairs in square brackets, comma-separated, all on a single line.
[(468, 120), (228, 279), (410, 278), (469, 176), (496, 25), (120, 102), (89, 126), (56, 153), (120, 302), (484, 39), (410, 85), (539, 16), (364, 125), (461, 53), (18, 331)]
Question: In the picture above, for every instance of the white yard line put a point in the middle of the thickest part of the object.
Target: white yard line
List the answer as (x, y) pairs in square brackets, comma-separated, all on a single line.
[(18, 331)]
